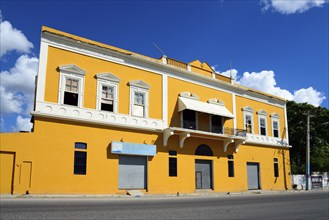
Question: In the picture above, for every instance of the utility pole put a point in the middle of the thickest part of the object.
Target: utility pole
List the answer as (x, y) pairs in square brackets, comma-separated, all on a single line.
[(308, 177)]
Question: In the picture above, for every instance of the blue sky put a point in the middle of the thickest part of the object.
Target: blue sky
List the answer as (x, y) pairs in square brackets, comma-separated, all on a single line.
[(277, 46)]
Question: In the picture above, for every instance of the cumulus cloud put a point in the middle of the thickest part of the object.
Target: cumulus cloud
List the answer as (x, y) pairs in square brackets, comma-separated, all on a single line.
[(22, 124), (265, 81), (291, 6), (17, 86), (228, 73), (12, 39)]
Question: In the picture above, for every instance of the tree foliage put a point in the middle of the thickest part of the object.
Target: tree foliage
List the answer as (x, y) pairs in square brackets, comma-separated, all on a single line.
[(319, 137)]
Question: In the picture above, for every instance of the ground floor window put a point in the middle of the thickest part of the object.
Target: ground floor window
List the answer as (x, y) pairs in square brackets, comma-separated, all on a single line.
[(80, 158), (230, 166), (276, 167), (172, 163)]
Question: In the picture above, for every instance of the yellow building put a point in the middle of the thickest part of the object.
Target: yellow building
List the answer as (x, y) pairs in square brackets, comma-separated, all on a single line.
[(106, 120)]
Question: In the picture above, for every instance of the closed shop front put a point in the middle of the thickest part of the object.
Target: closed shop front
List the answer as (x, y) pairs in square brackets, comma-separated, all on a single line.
[(132, 172), (203, 174), (253, 176)]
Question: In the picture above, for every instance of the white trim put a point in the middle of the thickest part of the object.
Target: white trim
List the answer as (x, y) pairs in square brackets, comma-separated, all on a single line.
[(72, 72), (260, 116), (144, 91), (170, 70), (42, 72), (286, 122), (165, 99), (266, 141), (234, 110), (92, 116), (245, 113), (272, 123), (100, 83)]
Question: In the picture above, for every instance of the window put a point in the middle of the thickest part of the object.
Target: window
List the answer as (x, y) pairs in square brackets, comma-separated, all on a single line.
[(216, 124), (276, 167), (262, 125), (230, 164), (80, 158), (139, 93), (189, 119), (107, 92), (275, 125), (248, 123), (262, 122), (71, 85), (248, 119), (172, 163), (275, 129), (71, 92), (203, 150)]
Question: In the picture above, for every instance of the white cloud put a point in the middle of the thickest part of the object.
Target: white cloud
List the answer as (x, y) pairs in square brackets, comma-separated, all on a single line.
[(12, 39), (17, 86), (265, 81), (23, 124), (291, 6), (227, 73)]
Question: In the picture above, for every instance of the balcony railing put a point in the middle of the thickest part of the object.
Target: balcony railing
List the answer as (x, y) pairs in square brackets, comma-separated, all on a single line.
[(235, 132), (176, 63)]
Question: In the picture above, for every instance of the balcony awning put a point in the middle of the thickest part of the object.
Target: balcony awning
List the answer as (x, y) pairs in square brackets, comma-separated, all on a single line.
[(209, 108)]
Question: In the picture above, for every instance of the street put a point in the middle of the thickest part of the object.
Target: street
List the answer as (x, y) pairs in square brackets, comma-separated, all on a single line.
[(299, 205)]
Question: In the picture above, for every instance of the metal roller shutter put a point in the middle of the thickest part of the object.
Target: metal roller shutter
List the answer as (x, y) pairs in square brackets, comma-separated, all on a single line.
[(132, 172), (253, 175), (203, 174)]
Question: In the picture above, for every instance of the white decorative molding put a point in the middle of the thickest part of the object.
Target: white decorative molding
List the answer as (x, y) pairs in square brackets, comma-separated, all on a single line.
[(226, 143), (275, 115), (107, 77), (166, 134), (71, 68), (139, 84), (248, 109), (266, 140), (182, 138), (216, 102), (42, 72), (189, 95), (165, 99), (72, 113), (262, 112)]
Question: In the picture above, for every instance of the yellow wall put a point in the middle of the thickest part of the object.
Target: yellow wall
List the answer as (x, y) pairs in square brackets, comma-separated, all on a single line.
[(52, 165), (93, 66), (256, 105)]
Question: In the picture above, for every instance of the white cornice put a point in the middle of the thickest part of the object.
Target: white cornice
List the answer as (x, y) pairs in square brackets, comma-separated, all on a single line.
[(262, 112), (139, 84), (248, 109), (107, 77), (71, 68)]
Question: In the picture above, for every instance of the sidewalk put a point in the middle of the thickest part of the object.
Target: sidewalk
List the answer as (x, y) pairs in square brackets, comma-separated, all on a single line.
[(184, 195)]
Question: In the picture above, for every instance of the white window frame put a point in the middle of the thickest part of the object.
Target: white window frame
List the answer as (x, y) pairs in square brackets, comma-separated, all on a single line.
[(108, 80), (139, 86), (262, 115), (248, 111), (71, 72), (275, 118)]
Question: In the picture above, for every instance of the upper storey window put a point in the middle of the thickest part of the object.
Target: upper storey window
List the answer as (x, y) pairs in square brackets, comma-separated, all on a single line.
[(139, 98), (248, 113), (107, 92), (71, 85), (262, 121), (275, 125)]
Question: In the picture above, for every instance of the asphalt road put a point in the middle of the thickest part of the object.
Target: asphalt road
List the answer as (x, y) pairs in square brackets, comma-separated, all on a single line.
[(302, 205)]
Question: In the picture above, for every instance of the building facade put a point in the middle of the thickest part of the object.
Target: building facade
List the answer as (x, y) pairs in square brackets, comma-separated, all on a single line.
[(107, 120)]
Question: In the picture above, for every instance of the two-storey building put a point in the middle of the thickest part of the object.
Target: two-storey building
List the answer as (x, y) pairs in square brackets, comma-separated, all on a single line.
[(107, 120)]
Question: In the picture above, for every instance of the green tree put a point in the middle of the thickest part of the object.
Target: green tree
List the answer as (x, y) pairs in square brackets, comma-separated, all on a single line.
[(319, 137)]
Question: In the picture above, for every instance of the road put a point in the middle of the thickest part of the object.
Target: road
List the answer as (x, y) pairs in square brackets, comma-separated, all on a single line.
[(301, 205)]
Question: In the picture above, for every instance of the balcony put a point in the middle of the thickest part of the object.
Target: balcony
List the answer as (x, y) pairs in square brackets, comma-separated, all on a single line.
[(230, 135)]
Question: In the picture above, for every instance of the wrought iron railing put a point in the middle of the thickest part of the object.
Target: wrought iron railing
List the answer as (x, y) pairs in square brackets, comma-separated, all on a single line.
[(235, 132)]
